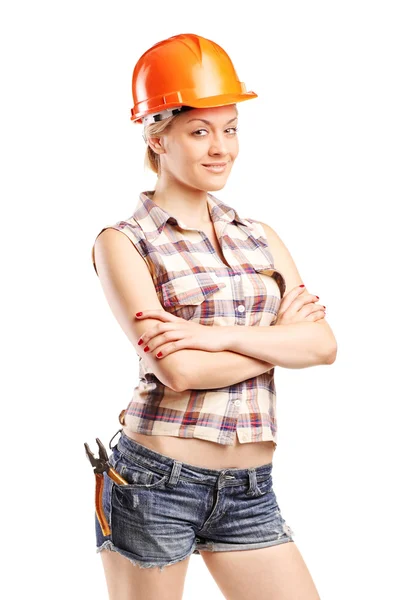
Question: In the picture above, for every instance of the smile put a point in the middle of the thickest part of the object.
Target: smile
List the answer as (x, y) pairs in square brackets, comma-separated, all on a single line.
[(215, 168)]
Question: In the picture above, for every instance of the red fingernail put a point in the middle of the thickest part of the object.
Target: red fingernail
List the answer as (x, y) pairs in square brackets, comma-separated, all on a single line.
[(317, 297), (146, 349), (159, 354), (140, 342), (139, 314), (302, 285)]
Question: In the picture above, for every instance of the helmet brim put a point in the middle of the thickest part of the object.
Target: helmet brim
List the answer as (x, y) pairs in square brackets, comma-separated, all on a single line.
[(211, 102)]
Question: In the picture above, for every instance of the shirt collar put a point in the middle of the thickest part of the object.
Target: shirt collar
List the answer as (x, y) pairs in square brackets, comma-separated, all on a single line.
[(152, 218)]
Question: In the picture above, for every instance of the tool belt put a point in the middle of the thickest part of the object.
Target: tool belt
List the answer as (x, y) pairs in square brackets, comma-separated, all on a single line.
[(100, 466)]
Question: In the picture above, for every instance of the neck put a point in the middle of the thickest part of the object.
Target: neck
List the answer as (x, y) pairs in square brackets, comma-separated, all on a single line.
[(185, 203)]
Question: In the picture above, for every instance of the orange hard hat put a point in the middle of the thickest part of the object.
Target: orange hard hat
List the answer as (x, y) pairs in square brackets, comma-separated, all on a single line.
[(184, 70)]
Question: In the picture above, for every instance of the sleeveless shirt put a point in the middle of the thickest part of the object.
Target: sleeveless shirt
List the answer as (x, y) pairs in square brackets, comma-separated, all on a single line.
[(192, 282)]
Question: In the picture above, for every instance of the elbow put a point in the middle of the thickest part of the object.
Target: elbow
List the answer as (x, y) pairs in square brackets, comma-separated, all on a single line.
[(174, 372), (326, 344), (331, 356), (179, 383), (325, 354), (179, 388), (168, 370), (176, 380)]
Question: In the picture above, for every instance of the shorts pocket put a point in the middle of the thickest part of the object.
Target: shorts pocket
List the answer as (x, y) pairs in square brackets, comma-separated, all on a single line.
[(136, 474)]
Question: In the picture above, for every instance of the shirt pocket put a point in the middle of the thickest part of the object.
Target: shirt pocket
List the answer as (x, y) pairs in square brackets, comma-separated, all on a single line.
[(184, 295), (272, 272), (274, 286)]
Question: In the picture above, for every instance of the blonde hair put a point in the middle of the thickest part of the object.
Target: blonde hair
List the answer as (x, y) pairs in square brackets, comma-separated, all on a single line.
[(152, 159)]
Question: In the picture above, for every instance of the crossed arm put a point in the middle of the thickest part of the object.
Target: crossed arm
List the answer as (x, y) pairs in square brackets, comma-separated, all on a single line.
[(251, 351), (248, 352)]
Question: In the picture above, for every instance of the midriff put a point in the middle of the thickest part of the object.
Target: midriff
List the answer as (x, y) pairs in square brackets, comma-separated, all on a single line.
[(203, 453)]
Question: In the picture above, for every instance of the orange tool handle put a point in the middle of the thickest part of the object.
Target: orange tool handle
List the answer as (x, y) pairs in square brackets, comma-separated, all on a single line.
[(115, 476), (99, 504), (99, 497)]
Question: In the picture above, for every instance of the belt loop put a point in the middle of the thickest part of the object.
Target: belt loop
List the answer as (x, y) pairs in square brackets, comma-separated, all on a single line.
[(253, 488), (175, 473), (109, 443), (121, 419)]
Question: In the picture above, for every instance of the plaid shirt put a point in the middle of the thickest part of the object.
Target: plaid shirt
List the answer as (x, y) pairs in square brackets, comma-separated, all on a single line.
[(193, 283)]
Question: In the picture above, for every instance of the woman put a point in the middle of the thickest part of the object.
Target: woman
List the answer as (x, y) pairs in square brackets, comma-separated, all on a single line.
[(196, 287)]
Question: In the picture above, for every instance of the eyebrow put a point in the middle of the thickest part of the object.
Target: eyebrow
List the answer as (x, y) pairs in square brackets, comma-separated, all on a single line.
[(209, 123)]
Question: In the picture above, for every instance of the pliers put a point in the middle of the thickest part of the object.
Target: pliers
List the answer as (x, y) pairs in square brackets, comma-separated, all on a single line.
[(100, 466)]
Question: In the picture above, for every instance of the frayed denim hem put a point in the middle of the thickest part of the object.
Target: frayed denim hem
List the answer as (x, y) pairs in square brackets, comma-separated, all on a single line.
[(108, 545)]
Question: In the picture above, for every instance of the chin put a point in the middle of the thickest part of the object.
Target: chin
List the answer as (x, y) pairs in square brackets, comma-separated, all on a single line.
[(216, 185), (210, 186)]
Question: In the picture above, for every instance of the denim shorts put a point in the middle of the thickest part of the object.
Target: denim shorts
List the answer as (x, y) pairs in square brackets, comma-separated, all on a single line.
[(171, 509)]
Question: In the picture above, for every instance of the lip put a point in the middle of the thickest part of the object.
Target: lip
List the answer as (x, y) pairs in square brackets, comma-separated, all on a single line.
[(221, 164)]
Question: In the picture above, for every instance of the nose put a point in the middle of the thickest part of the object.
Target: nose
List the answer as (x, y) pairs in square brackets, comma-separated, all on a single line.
[(219, 144)]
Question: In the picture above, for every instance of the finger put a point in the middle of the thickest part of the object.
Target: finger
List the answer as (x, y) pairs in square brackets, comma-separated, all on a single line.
[(320, 314), (154, 331), (309, 309), (314, 315), (163, 338), (317, 308), (303, 300), (161, 314), (171, 347), (290, 296)]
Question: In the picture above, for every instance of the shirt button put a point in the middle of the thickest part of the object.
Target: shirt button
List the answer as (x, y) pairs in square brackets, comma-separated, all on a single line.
[(241, 308), (237, 278), (236, 402)]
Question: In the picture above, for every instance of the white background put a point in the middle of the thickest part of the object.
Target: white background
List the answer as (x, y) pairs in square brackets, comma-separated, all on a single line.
[(319, 162)]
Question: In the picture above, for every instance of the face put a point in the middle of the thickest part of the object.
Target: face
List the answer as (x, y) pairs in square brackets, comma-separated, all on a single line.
[(191, 143)]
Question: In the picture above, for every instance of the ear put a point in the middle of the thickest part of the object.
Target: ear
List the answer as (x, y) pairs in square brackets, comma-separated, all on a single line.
[(156, 144)]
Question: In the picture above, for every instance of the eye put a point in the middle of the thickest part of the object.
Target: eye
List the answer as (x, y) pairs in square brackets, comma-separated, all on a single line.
[(198, 131), (234, 129)]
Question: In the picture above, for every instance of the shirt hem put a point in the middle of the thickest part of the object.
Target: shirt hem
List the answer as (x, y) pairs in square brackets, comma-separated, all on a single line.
[(197, 437)]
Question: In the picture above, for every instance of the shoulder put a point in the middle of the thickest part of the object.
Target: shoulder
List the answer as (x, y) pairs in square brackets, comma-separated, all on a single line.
[(108, 241), (129, 227), (283, 260), (267, 231), (276, 245)]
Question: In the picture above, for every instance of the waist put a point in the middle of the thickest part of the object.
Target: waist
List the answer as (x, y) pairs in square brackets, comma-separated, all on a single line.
[(204, 453)]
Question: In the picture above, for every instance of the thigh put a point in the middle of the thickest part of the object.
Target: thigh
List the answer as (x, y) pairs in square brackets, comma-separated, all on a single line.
[(146, 550), (126, 581), (272, 573)]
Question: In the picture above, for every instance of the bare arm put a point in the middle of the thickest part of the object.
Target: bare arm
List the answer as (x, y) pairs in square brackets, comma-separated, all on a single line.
[(128, 285), (297, 345), (114, 257), (204, 370), (294, 346)]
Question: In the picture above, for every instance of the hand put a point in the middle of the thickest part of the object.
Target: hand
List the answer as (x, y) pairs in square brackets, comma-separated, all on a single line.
[(173, 333), (298, 305)]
